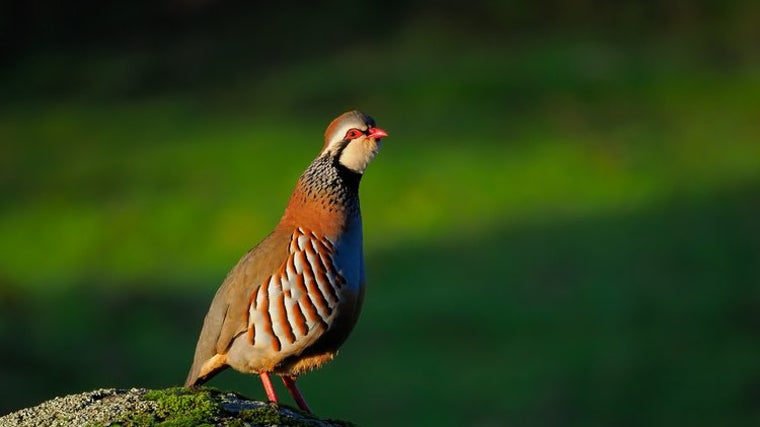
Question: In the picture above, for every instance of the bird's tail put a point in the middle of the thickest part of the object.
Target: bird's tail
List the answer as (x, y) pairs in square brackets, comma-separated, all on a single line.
[(202, 371)]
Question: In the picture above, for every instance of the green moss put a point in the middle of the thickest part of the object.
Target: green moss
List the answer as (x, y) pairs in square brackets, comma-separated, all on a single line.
[(266, 415), (236, 423), (176, 407), (137, 420), (270, 415), (182, 406), (179, 406)]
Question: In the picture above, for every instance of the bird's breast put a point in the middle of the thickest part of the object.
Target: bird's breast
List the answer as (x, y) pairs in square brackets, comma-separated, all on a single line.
[(349, 254)]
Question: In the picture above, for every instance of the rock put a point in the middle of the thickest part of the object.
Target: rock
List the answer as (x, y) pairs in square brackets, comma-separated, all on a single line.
[(169, 407)]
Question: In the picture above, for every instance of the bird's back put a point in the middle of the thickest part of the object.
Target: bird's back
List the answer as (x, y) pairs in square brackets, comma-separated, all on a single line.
[(225, 319)]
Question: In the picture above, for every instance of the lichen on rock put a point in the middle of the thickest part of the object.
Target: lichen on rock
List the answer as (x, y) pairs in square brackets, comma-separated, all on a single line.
[(172, 407)]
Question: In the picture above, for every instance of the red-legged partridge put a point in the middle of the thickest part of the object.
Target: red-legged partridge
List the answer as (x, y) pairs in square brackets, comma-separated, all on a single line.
[(290, 302)]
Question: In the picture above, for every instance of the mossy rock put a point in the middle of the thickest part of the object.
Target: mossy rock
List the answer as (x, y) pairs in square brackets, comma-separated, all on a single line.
[(172, 407)]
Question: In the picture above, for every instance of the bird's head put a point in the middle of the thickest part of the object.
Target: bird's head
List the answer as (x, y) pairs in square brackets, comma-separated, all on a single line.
[(353, 139)]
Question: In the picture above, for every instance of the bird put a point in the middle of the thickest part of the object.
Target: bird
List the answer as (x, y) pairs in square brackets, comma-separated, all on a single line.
[(290, 302)]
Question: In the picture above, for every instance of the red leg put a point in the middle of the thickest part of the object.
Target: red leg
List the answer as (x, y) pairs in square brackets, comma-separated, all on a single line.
[(290, 383), (268, 386)]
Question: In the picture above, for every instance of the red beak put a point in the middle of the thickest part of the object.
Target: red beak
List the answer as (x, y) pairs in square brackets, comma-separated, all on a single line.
[(376, 133)]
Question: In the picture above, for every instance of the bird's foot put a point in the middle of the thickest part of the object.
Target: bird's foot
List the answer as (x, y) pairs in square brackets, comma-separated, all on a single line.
[(268, 387), (290, 383)]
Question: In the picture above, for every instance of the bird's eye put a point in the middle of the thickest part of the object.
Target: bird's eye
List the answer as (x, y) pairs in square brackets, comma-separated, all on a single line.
[(353, 134)]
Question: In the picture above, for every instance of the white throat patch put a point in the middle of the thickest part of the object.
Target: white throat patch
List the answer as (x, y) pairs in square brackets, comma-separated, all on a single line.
[(358, 153)]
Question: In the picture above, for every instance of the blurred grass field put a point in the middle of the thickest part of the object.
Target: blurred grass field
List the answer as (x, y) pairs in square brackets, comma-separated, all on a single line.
[(560, 232)]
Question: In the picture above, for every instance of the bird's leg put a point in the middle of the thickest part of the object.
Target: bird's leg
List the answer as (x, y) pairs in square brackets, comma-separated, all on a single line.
[(268, 386), (290, 383)]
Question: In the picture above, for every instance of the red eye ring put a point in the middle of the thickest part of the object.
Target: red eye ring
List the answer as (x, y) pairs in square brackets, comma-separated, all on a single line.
[(353, 134)]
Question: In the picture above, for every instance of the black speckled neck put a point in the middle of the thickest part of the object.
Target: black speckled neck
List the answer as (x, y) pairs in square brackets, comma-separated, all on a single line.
[(334, 185)]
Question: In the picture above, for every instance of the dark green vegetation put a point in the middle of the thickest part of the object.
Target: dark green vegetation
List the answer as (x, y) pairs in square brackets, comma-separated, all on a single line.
[(562, 229)]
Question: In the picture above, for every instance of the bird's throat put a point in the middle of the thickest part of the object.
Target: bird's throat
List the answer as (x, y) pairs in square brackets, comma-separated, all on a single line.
[(326, 198)]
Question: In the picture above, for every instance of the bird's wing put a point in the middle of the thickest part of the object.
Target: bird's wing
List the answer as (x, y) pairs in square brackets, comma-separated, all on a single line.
[(298, 303), (284, 294), (227, 315)]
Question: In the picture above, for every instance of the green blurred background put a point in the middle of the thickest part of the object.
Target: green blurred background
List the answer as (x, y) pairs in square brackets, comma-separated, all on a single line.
[(561, 230)]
